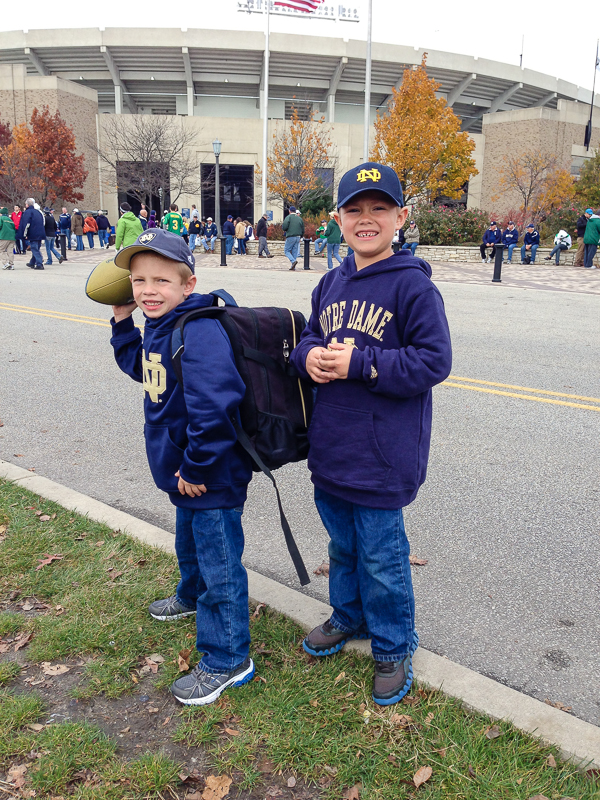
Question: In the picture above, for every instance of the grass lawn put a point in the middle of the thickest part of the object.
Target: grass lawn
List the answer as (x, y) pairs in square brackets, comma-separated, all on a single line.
[(85, 709)]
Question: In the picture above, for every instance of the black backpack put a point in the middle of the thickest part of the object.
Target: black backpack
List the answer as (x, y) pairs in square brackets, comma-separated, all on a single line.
[(276, 410)]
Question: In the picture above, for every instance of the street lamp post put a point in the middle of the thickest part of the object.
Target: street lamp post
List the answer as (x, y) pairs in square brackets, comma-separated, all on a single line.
[(217, 151)]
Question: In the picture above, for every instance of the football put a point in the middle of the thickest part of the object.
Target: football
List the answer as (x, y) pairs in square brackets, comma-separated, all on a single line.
[(109, 284)]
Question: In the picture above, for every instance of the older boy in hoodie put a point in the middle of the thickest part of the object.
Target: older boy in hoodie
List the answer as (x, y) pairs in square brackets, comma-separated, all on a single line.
[(193, 454), (376, 343)]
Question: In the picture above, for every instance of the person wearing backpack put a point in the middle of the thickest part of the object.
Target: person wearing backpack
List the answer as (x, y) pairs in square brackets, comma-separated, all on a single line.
[(194, 457)]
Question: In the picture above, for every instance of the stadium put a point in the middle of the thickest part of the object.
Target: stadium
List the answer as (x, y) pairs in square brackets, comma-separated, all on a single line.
[(213, 82)]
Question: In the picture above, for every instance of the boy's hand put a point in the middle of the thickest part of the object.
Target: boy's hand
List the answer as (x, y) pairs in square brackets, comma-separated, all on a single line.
[(336, 359), (316, 367), (122, 312), (191, 489)]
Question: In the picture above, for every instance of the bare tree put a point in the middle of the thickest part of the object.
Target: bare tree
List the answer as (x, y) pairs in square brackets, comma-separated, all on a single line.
[(539, 179), (145, 153)]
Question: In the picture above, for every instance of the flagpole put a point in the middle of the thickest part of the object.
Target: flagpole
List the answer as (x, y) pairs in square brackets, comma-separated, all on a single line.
[(265, 111), (368, 82), (588, 130)]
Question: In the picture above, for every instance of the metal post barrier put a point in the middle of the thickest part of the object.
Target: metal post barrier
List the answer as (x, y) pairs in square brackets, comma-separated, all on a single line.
[(498, 264), (307, 244), (63, 246), (223, 252)]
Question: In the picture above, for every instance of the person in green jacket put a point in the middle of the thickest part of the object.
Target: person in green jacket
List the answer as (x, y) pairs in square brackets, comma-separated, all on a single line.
[(7, 239), (128, 227), (591, 238), (293, 226), (334, 239)]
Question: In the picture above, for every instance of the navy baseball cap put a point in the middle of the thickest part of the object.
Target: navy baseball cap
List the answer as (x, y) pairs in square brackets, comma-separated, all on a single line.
[(167, 244), (370, 176)]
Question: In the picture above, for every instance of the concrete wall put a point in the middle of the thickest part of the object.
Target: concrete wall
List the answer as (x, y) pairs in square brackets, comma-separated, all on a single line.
[(558, 131), (77, 105)]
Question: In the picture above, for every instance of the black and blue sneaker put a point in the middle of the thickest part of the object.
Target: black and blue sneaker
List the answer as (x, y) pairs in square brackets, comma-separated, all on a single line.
[(326, 639), (392, 680), (199, 688), (170, 609)]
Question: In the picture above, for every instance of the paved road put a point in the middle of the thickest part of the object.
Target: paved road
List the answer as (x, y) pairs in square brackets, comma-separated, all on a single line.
[(509, 516)]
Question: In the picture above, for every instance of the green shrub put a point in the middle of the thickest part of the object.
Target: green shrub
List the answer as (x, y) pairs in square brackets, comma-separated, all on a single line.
[(565, 218), (441, 225)]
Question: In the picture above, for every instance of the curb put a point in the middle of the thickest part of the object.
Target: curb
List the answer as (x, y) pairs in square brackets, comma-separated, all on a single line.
[(577, 740)]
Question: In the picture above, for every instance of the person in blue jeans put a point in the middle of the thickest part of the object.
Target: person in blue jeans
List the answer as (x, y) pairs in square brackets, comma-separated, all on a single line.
[(31, 230), (51, 229), (531, 242), (103, 229), (376, 343), (229, 234), (510, 238), (293, 227), (334, 238), (411, 237), (193, 455)]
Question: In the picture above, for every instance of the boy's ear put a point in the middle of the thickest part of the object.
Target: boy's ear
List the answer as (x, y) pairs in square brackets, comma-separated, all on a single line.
[(190, 285), (402, 215)]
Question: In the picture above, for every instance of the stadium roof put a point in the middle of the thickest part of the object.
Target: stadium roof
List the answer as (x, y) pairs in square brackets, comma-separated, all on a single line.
[(152, 66)]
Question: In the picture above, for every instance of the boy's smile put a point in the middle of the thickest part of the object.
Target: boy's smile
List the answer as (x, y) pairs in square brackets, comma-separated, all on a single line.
[(157, 284), (369, 222)]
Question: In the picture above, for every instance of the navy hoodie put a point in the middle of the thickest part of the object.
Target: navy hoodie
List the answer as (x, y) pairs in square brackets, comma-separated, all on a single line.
[(369, 435), (189, 430)]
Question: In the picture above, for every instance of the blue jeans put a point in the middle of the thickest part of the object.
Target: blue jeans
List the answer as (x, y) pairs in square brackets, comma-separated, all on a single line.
[(90, 236), (36, 256), (292, 248), (532, 252), (103, 238), (370, 585), (50, 249), (241, 247), (333, 250), (66, 232), (556, 251), (320, 245), (209, 544), (589, 253), (193, 237), (412, 246), (510, 249), (209, 243), (80, 243), (229, 245)]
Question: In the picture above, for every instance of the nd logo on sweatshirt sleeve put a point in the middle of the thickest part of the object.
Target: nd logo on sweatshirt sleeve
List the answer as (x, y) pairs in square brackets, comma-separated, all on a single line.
[(155, 376)]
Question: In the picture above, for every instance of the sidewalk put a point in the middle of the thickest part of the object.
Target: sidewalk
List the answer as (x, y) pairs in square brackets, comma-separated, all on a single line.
[(576, 739)]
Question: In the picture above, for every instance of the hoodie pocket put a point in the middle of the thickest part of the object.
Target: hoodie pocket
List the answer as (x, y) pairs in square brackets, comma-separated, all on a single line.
[(164, 456), (343, 447)]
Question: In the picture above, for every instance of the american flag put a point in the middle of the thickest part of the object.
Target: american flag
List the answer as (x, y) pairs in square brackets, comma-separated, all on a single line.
[(307, 6)]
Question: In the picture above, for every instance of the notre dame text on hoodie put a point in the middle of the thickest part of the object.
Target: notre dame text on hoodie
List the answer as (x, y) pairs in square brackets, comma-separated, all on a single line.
[(370, 434), (188, 430)]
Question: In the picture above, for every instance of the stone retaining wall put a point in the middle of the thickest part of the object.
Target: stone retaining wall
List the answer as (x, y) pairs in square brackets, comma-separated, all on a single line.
[(439, 253)]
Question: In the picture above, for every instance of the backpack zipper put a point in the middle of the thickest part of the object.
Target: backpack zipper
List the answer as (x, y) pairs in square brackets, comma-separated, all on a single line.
[(299, 381)]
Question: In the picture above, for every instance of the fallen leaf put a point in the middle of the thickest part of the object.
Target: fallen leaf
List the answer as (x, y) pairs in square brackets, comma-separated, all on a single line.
[(152, 710), (340, 677), (403, 720), (56, 669), (559, 705), (330, 770), (353, 793), (149, 667), (217, 787), (417, 562), (194, 796), (18, 455), (27, 606), (35, 727), (291, 782), (157, 658), (14, 594), (100, 543), (519, 781), (166, 721), (421, 775), (126, 730), (183, 660), (44, 518), (259, 678), (538, 797), (493, 732), (551, 761), (232, 731), (323, 569), (59, 610), (258, 609), (16, 775), (48, 560), (22, 640), (429, 718), (471, 771), (314, 703)]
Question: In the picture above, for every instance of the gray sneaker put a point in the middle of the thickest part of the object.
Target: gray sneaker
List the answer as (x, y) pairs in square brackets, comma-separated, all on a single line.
[(200, 688), (169, 609)]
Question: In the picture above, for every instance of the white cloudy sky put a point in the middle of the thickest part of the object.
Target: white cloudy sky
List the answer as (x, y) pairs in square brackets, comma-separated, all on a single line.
[(559, 41)]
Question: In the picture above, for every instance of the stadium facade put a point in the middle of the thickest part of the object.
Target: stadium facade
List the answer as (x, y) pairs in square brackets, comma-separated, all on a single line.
[(213, 83)]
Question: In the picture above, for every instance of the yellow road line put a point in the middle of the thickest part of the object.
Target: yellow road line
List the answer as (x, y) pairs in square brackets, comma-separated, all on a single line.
[(46, 312), (56, 316), (521, 396), (524, 389)]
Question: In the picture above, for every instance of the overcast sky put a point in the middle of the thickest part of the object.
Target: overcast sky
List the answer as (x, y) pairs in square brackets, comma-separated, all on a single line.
[(559, 41)]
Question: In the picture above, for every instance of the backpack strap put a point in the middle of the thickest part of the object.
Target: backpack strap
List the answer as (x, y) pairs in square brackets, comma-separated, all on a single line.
[(224, 296), (177, 347)]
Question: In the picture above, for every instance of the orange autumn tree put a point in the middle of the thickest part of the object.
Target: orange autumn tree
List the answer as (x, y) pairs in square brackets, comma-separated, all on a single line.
[(538, 180), (420, 137), (296, 161), (41, 160)]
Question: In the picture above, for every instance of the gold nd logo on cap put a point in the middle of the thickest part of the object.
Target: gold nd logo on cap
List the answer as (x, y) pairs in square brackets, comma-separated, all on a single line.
[(368, 175)]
